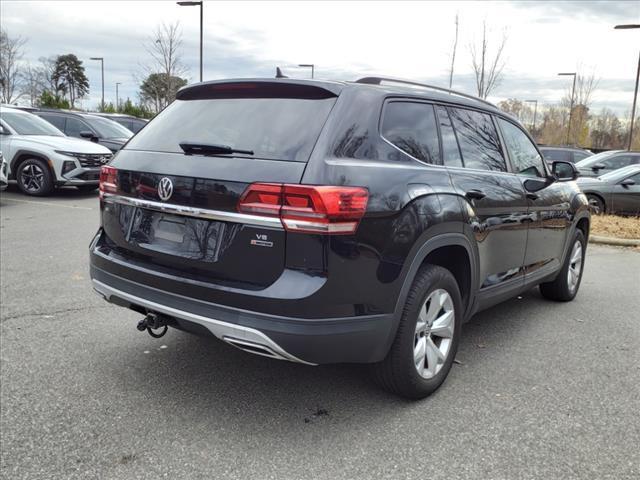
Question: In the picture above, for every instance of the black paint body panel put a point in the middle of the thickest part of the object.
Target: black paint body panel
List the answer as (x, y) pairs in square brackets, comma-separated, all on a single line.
[(414, 208)]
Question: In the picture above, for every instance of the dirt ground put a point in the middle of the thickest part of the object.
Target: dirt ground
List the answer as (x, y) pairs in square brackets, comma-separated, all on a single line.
[(614, 226)]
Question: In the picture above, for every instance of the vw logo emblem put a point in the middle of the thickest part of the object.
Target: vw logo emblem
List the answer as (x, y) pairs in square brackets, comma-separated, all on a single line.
[(165, 189)]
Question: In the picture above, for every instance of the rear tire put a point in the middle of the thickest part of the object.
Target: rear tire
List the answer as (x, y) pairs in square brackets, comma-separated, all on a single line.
[(565, 287), (34, 177), (427, 338)]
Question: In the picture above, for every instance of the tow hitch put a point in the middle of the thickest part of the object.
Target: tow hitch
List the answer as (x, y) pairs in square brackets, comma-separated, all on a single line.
[(154, 321)]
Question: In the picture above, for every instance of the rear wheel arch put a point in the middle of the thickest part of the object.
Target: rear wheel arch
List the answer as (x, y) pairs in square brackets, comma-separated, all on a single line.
[(438, 249)]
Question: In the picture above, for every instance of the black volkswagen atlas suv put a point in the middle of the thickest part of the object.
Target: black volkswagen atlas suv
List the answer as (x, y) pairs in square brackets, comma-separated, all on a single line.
[(325, 222)]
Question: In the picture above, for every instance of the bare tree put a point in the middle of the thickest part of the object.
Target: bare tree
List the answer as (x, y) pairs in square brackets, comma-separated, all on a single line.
[(33, 83), (165, 49), (586, 84), (11, 51), (48, 67), (453, 54), (487, 65)]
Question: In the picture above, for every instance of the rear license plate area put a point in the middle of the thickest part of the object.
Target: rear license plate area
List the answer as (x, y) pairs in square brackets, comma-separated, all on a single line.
[(170, 228), (176, 235)]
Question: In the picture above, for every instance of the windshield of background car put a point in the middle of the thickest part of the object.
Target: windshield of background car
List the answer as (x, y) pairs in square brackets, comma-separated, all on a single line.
[(273, 128), (593, 159), (107, 128), (619, 174), (27, 124)]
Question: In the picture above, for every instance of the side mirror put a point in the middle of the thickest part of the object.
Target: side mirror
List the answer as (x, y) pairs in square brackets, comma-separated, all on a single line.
[(564, 171), (3, 131), (628, 182), (89, 135), (598, 166)]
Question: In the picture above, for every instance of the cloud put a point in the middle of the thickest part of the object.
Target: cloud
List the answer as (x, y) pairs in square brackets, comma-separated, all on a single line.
[(400, 39)]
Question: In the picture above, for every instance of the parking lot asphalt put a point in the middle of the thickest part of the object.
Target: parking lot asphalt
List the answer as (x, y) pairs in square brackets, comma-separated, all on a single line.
[(542, 389)]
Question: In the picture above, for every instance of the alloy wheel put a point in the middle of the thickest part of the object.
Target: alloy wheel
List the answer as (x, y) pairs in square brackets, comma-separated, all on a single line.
[(32, 177), (434, 333), (575, 266)]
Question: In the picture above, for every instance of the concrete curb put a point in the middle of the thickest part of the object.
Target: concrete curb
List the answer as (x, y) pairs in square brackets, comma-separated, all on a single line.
[(621, 242)]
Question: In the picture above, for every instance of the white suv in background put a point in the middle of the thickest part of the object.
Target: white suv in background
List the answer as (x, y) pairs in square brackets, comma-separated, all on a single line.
[(3, 173), (41, 157)]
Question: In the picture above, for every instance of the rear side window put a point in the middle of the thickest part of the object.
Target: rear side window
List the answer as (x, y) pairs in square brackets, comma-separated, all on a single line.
[(557, 155), (55, 120), (478, 140), (450, 150), (273, 128), (525, 159), (577, 156), (412, 128)]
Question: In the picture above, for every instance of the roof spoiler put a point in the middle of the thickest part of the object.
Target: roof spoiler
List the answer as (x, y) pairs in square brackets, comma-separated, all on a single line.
[(260, 88)]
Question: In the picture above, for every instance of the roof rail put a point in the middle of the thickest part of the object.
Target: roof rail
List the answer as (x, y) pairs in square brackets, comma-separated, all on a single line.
[(379, 80)]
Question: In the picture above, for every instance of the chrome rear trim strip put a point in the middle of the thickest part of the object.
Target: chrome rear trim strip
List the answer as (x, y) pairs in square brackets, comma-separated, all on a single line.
[(186, 211), (228, 332)]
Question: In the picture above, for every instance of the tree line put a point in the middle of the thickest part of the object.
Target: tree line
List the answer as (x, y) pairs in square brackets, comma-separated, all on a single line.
[(577, 125), (60, 81)]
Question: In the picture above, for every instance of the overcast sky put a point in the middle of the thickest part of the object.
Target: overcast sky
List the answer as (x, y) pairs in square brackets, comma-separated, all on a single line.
[(346, 40)]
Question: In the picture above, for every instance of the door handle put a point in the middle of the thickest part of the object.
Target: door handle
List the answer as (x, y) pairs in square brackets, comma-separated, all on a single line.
[(532, 196), (475, 194)]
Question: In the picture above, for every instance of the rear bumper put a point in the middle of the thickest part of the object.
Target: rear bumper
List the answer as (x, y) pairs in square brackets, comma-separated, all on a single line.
[(362, 339)]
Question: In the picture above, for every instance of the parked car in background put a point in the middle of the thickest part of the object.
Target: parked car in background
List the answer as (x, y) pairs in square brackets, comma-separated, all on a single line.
[(88, 127), (40, 157), (127, 121), (3, 172), (605, 162), (327, 222), (614, 192), (565, 154)]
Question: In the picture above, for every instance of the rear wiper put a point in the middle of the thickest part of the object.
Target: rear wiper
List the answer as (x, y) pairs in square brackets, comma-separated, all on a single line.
[(210, 149)]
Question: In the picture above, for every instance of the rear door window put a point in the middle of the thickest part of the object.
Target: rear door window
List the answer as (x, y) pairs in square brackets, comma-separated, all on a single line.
[(450, 150), (411, 127), (273, 128), (478, 139), (524, 157)]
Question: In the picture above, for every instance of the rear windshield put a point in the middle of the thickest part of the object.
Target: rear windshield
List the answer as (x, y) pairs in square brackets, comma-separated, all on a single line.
[(273, 128)]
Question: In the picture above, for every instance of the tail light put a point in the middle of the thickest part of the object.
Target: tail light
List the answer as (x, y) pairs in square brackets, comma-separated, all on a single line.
[(306, 208), (108, 180)]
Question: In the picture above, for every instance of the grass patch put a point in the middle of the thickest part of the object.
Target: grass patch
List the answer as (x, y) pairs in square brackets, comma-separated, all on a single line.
[(614, 226)]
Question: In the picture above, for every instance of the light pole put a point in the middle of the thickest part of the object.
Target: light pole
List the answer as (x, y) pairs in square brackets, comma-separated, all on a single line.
[(535, 112), (573, 90), (102, 70), (635, 93), (193, 4), (308, 65), (117, 98)]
